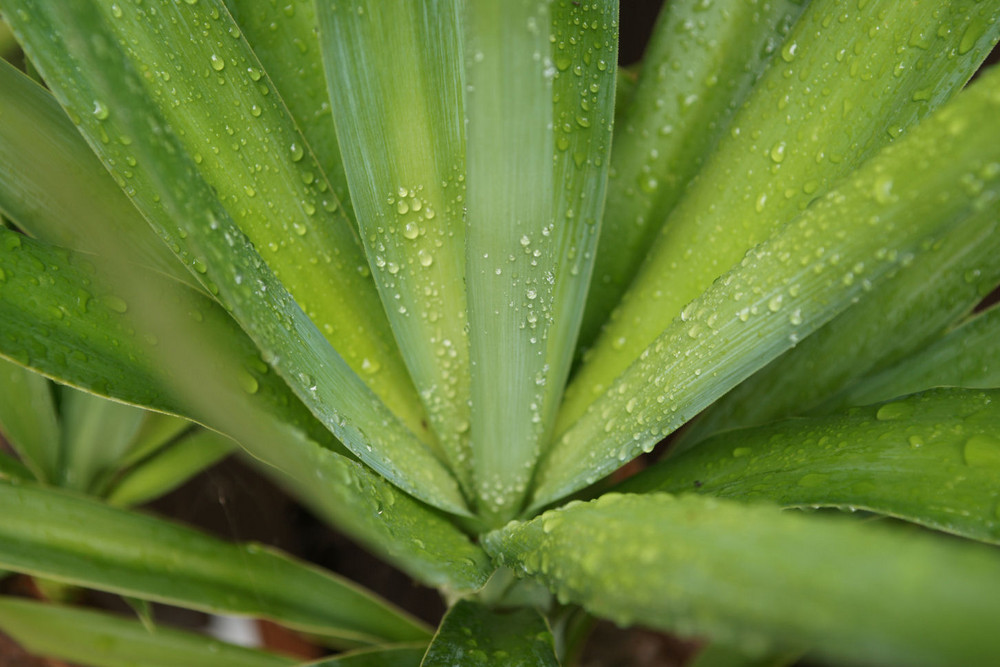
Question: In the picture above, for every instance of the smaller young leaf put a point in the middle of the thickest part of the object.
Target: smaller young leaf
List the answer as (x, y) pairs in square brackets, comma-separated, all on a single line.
[(99, 639), (933, 459), (28, 419), (473, 635), (169, 468), (157, 431), (96, 435), (968, 356), (70, 538), (766, 580)]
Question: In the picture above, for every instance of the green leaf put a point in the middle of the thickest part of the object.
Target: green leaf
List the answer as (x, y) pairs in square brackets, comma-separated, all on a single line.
[(157, 431), (721, 655), (173, 192), (12, 469), (169, 468), (893, 320), (60, 320), (103, 640), (535, 189), (841, 89), (867, 227), (28, 419), (699, 66), (70, 538), (56, 190), (285, 38), (96, 435), (475, 635), (234, 393), (968, 356), (933, 459), (399, 122), (402, 656), (765, 580)]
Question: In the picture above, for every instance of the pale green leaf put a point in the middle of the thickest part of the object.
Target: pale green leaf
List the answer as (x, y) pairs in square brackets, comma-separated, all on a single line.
[(867, 227), (535, 191), (169, 468), (473, 635), (932, 458), (399, 121), (56, 190), (766, 580), (99, 639), (157, 431), (28, 419), (700, 64), (96, 435), (284, 36), (844, 86), (70, 538)]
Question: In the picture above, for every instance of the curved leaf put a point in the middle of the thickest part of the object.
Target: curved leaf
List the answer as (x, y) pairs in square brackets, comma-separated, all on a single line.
[(176, 194), (933, 459), (474, 635), (700, 64), (70, 538), (406, 656), (877, 220), (103, 640), (764, 579), (846, 85), (893, 321)]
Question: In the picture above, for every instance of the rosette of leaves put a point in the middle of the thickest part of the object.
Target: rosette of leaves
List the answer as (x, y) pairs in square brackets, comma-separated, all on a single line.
[(443, 271)]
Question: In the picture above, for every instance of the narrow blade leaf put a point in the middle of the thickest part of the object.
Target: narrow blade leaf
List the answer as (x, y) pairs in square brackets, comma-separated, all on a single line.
[(381, 657), (535, 192), (400, 123), (28, 419), (877, 72), (933, 459), (699, 66), (789, 286), (765, 579), (70, 538), (102, 640)]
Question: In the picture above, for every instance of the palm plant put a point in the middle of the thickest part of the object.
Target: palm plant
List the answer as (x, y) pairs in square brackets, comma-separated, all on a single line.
[(441, 270)]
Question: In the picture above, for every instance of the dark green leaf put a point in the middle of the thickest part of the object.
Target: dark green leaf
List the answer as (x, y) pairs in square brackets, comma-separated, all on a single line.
[(764, 580), (933, 459), (473, 635)]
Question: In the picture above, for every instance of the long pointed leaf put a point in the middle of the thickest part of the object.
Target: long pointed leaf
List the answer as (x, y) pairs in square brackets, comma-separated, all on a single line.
[(102, 640), (54, 187), (968, 356), (766, 580), (699, 66), (400, 124), (186, 208), (74, 539), (933, 459), (28, 419), (381, 657), (96, 435), (535, 191), (284, 37), (814, 268), (474, 635), (893, 320), (876, 70)]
